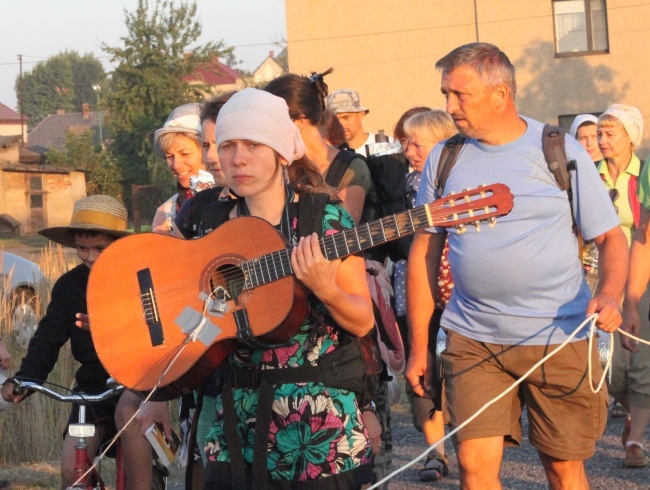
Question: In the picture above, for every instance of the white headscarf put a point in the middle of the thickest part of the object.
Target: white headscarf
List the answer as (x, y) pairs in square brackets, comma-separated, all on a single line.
[(630, 118), (579, 121), (262, 117)]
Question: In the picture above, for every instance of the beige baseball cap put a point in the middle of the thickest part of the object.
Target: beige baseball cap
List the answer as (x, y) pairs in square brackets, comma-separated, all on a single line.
[(345, 100)]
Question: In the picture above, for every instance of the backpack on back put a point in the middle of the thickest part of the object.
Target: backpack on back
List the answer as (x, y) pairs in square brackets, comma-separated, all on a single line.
[(387, 194)]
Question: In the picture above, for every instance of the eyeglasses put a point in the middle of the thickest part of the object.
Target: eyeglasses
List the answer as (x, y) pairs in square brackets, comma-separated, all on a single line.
[(613, 195)]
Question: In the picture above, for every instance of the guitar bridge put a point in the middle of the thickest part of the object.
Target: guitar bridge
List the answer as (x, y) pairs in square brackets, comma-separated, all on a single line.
[(150, 307)]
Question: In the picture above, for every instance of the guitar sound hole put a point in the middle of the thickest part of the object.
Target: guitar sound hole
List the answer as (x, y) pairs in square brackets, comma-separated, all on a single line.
[(229, 277)]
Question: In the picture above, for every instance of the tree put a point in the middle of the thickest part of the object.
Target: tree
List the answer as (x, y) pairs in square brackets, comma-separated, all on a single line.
[(63, 81), (148, 81), (79, 152)]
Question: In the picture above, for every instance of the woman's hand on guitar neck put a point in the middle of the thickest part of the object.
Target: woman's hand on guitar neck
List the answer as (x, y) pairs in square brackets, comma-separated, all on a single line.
[(312, 269), (341, 286)]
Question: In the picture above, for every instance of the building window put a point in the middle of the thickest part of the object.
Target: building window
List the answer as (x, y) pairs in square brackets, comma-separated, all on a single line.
[(36, 194), (566, 120), (580, 27)]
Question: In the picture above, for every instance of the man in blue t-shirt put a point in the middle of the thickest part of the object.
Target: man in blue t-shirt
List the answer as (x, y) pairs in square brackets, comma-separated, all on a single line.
[(519, 288)]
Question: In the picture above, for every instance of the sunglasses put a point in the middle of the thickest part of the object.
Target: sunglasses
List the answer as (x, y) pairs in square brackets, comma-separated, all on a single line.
[(613, 195)]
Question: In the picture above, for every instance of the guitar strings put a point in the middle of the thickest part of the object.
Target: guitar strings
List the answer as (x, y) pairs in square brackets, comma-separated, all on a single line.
[(260, 269)]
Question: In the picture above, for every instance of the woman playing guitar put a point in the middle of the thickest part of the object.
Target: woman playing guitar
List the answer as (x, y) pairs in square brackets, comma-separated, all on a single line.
[(279, 425)]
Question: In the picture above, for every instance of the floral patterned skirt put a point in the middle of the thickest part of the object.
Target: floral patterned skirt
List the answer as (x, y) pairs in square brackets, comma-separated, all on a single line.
[(316, 432)]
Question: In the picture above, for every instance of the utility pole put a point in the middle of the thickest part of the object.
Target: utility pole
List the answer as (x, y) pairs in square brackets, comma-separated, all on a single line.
[(97, 88), (476, 19), (20, 102)]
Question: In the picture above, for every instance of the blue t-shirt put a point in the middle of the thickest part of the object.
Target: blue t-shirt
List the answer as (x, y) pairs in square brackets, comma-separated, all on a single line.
[(521, 282)]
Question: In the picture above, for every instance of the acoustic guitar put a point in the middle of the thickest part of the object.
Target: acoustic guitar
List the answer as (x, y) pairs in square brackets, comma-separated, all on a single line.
[(165, 312)]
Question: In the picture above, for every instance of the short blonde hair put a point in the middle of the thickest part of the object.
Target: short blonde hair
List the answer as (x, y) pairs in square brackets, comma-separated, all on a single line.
[(431, 126), (609, 121), (165, 140)]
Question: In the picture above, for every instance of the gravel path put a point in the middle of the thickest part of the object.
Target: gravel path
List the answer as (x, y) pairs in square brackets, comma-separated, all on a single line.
[(521, 467)]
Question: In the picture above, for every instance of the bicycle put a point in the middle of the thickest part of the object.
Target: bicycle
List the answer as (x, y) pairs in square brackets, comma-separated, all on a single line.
[(82, 430)]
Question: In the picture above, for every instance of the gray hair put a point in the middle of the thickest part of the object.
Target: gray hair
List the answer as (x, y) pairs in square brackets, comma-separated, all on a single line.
[(492, 64)]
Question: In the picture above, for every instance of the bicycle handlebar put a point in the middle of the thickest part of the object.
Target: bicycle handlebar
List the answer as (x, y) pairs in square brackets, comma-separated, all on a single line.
[(114, 389)]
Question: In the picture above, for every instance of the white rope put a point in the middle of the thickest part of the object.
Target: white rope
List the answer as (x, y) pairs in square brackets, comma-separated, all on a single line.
[(119, 433), (190, 338), (591, 319)]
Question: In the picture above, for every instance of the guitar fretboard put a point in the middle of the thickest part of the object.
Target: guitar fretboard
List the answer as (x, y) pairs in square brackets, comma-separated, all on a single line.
[(276, 265)]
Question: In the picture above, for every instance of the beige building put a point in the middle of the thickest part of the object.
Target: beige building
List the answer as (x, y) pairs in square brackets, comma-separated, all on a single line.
[(571, 56), (12, 129), (269, 69), (38, 196), (32, 196)]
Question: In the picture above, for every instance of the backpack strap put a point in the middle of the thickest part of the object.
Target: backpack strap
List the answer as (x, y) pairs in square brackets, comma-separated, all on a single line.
[(339, 166), (447, 160), (311, 208), (554, 148)]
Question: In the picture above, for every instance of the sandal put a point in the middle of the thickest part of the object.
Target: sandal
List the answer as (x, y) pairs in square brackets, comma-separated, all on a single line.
[(434, 469), (618, 411)]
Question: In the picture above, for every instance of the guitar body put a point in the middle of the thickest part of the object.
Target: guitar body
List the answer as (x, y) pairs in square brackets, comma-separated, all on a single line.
[(144, 288)]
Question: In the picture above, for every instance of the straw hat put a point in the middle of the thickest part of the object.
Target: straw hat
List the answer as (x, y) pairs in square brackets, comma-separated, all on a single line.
[(93, 213)]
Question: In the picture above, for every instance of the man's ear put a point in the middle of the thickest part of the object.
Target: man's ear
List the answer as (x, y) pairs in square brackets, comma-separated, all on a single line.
[(500, 94)]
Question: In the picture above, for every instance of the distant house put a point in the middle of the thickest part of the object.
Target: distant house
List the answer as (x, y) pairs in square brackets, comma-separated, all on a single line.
[(51, 131), (11, 134), (272, 67), (220, 77), (32, 195)]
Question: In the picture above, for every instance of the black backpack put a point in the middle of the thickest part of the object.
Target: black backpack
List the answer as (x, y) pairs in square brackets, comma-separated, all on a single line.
[(387, 194), (553, 146)]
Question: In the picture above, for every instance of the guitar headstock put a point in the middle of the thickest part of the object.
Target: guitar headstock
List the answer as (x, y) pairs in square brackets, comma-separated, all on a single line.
[(472, 206)]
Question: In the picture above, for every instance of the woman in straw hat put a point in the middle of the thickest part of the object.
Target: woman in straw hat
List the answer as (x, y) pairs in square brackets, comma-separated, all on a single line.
[(304, 434), (97, 221)]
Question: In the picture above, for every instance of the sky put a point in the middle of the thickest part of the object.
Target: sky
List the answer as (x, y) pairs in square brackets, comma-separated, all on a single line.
[(38, 29)]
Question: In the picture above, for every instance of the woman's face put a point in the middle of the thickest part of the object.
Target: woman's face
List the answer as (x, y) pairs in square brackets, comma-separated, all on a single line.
[(587, 136), (613, 141), (210, 154), (183, 157), (417, 151), (250, 168)]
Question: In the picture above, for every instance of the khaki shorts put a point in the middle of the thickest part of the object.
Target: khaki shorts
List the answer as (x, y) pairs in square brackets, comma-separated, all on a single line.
[(564, 417)]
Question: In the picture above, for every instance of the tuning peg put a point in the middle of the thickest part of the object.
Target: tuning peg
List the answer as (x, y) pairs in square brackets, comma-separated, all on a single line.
[(477, 226), (461, 229), (493, 221)]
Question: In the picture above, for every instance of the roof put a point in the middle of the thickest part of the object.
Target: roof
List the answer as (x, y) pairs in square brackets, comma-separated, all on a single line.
[(214, 73), (41, 169), (9, 116), (50, 132), (281, 60)]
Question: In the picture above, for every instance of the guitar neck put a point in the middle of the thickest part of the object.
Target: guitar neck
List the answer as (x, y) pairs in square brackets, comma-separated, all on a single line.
[(276, 265), (470, 206)]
